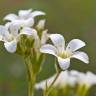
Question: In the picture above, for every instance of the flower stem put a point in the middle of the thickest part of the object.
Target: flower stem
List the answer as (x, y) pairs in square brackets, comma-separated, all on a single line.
[(31, 78), (48, 90)]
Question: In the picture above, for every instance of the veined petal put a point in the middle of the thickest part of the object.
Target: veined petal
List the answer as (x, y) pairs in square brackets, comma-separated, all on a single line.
[(37, 13), (11, 17), (29, 31), (11, 46), (58, 41), (75, 44), (25, 13), (81, 56), (64, 63), (49, 49)]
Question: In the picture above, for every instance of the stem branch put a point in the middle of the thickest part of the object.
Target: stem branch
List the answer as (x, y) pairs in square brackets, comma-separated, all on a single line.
[(48, 90)]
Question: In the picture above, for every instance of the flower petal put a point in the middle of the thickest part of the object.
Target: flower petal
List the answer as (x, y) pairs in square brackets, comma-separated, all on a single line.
[(29, 31), (37, 13), (64, 63), (24, 13), (90, 81), (29, 22), (49, 49), (11, 46), (13, 28), (11, 17), (81, 56), (75, 44), (58, 41), (3, 33), (32, 32), (25, 23)]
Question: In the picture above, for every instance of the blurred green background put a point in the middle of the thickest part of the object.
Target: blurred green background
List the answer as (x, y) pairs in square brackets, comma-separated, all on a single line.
[(72, 18)]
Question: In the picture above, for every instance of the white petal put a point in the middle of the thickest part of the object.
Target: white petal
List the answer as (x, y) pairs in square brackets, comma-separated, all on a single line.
[(13, 28), (81, 78), (41, 24), (29, 22), (49, 49), (75, 44), (25, 13), (64, 63), (29, 31), (81, 56), (11, 17), (90, 81), (58, 41), (3, 33), (11, 46), (25, 23), (32, 32), (7, 25), (74, 73), (37, 13), (44, 37)]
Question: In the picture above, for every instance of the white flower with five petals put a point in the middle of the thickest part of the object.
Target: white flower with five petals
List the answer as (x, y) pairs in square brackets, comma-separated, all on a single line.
[(65, 54), (25, 18), (9, 35)]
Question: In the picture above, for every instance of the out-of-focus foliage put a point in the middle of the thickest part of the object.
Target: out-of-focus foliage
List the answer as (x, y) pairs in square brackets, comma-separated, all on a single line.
[(72, 18)]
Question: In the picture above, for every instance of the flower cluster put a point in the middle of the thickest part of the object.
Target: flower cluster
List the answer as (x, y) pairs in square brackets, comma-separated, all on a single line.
[(24, 24), (20, 25), (27, 36)]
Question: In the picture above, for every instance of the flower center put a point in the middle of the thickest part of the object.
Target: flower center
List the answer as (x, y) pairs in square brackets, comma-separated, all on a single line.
[(10, 37), (65, 54)]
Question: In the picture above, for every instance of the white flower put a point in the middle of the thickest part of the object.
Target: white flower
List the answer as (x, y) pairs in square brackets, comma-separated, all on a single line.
[(24, 17), (9, 35), (65, 54), (88, 79)]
